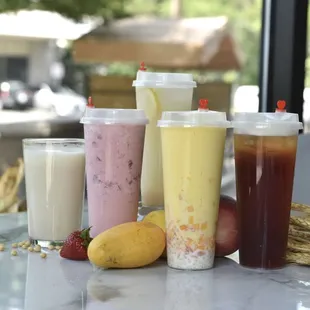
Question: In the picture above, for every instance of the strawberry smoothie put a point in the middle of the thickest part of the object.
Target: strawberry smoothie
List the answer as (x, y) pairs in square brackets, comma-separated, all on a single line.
[(114, 150)]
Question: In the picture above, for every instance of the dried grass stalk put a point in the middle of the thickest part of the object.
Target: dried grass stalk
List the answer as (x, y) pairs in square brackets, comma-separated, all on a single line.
[(298, 246), (299, 239), (300, 222), (298, 258), (299, 233), (300, 207), (9, 185)]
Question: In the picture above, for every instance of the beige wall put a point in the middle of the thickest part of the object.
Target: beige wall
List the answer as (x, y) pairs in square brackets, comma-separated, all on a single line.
[(41, 54), (14, 47)]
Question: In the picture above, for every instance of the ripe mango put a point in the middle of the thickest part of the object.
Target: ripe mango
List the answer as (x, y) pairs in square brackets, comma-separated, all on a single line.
[(157, 218), (129, 245)]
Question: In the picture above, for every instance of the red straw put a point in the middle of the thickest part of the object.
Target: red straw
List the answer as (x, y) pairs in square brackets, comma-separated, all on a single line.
[(203, 104), (281, 104), (142, 66), (90, 103)]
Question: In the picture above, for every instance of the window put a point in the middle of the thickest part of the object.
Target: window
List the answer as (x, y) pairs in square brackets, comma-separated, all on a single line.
[(14, 68)]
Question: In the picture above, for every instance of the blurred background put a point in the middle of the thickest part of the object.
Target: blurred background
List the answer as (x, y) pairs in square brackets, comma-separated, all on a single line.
[(54, 54)]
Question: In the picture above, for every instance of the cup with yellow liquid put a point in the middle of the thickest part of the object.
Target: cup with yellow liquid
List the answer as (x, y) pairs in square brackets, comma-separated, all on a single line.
[(157, 92), (192, 150)]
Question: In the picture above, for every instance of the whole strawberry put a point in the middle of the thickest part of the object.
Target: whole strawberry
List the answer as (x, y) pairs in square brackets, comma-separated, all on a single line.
[(75, 246)]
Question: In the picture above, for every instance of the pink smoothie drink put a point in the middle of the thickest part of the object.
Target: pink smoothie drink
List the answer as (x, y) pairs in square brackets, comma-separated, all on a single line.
[(114, 140)]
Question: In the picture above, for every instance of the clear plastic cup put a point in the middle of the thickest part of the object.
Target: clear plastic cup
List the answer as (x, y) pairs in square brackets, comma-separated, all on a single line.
[(55, 185), (157, 92), (114, 140), (193, 150), (265, 150)]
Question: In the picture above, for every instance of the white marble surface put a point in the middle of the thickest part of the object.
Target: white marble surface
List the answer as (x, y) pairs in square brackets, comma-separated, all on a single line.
[(30, 282)]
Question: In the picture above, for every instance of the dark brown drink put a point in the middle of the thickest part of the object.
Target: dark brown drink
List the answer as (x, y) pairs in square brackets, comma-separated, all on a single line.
[(264, 176)]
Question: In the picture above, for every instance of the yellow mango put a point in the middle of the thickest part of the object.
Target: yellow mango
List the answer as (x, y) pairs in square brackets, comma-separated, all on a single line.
[(157, 218), (129, 245)]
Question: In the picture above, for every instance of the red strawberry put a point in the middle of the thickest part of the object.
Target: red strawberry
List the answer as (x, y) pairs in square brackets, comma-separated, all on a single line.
[(75, 246)]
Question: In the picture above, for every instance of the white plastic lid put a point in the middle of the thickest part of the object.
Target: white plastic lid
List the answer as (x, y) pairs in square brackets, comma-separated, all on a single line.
[(267, 124), (114, 116), (164, 80), (193, 119)]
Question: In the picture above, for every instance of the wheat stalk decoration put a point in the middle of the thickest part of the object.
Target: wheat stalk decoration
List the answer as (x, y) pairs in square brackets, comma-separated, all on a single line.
[(298, 246)]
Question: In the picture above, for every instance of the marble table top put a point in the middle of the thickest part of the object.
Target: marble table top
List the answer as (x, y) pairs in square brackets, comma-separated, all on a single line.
[(29, 282)]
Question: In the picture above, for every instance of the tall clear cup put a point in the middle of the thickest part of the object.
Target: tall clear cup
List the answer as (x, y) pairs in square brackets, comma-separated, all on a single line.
[(193, 150), (155, 93), (114, 140), (55, 185), (265, 151)]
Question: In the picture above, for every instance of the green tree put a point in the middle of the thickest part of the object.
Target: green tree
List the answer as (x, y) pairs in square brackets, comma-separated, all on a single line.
[(74, 9), (245, 19), (244, 16)]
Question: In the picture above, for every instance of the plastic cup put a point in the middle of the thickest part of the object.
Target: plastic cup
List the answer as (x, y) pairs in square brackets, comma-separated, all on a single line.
[(114, 140), (193, 150), (155, 93), (265, 151), (55, 183)]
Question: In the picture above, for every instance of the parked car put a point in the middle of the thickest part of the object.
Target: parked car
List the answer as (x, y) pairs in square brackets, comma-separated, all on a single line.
[(61, 100), (15, 95)]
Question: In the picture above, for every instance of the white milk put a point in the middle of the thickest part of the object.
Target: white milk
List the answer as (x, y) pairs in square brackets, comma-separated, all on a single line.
[(55, 191)]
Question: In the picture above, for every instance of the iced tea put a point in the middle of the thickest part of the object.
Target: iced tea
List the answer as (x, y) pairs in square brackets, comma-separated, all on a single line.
[(264, 176)]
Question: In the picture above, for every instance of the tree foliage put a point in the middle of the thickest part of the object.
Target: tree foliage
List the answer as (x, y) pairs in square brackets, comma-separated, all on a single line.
[(74, 9), (245, 17)]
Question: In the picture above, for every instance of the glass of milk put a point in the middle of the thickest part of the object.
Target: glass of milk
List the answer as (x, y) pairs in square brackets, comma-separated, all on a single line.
[(55, 183)]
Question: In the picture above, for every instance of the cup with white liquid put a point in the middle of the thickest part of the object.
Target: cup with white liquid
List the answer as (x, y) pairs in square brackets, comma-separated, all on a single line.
[(157, 92), (55, 183)]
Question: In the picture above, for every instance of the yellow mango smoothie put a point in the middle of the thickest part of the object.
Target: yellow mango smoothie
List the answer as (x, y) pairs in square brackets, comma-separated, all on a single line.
[(192, 150)]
